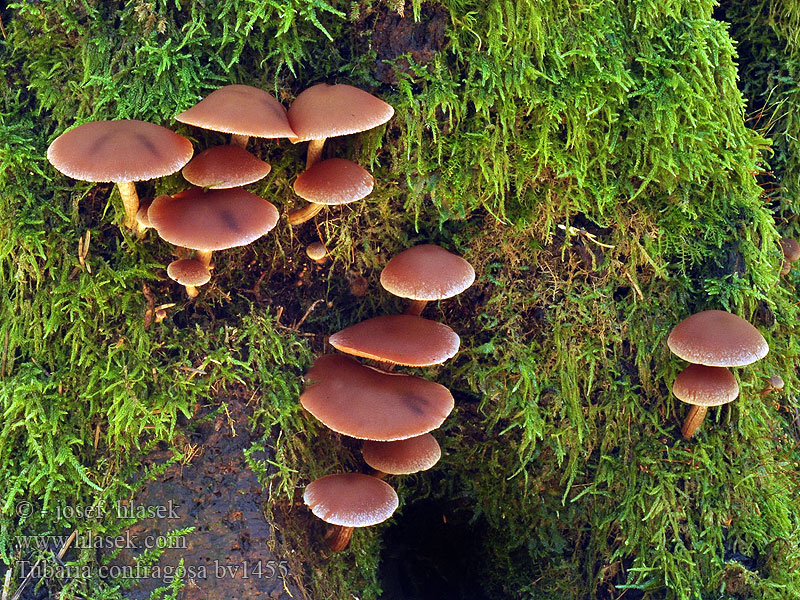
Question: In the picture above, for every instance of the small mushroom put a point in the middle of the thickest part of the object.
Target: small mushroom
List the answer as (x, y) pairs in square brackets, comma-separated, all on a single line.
[(424, 273), (774, 384), (402, 457), (317, 252), (241, 110), (349, 500), (190, 273), (329, 182), (703, 386), (791, 249), (122, 152), (221, 167)]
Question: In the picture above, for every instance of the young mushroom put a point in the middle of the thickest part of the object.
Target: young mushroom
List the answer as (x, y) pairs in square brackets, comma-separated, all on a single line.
[(348, 500), (701, 387), (317, 252), (424, 273), (190, 273), (330, 182), (122, 152), (221, 167), (402, 457)]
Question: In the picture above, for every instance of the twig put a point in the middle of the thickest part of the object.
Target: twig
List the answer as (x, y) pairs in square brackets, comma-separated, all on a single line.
[(297, 325)]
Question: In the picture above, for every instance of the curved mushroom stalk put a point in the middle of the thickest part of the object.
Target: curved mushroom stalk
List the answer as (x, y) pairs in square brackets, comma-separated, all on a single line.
[(298, 216), (130, 200), (694, 419), (338, 537)]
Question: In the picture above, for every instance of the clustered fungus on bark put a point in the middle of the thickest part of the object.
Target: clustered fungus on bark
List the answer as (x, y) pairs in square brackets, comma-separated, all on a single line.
[(712, 341), (218, 213), (394, 413)]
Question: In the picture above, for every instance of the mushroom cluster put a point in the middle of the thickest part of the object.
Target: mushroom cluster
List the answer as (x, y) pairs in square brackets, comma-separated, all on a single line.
[(392, 412), (712, 341), (218, 213), (324, 111)]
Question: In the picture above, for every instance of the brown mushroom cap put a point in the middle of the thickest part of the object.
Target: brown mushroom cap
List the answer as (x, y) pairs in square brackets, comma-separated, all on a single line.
[(188, 271), (705, 386), (717, 339), (334, 181), (366, 403), (316, 251), (222, 167), (351, 499), (324, 111), (212, 220), (791, 249), (119, 151), (400, 339), (402, 457), (241, 110), (427, 272)]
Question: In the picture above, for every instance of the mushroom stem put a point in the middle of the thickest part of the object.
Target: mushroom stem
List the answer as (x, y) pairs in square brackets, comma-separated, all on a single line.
[(191, 291), (415, 307), (301, 215), (693, 420), (204, 256), (379, 474), (130, 200), (314, 152), (237, 139), (338, 537)]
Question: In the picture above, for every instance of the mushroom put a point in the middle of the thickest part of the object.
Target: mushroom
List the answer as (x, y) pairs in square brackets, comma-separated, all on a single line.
[(399, 339), (424, 273), (703, 386), (366, 403), (324, 111), (212, 220), (402, 457), (121, 152), (317, 252), (221, 167), (332, 181), (242, 111), (349, 500), (190, 273), (710, 340), (774, 384), (791, 249), (717, 338)]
